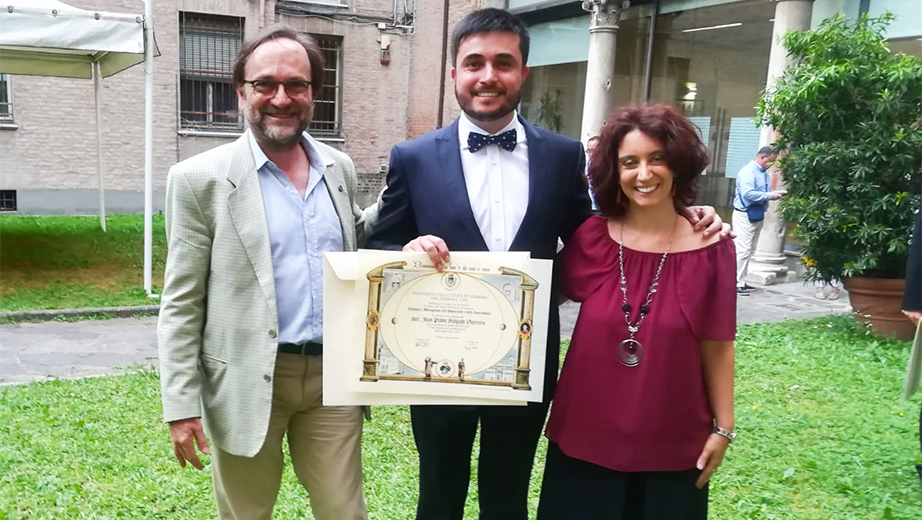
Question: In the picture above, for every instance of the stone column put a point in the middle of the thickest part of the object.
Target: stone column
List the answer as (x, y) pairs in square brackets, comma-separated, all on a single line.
[(603, 32), (768, 263)]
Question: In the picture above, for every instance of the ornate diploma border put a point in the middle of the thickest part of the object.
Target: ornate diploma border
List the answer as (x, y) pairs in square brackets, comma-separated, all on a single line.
[(523, 355)]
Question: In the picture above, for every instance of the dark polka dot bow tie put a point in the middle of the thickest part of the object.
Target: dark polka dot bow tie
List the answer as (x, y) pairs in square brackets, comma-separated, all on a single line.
[(505, 140)]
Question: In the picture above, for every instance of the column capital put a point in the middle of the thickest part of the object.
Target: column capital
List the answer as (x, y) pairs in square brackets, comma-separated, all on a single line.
[(605, 14)]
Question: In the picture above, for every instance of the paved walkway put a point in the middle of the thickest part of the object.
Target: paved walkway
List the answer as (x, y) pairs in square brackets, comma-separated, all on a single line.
[(37, 351)]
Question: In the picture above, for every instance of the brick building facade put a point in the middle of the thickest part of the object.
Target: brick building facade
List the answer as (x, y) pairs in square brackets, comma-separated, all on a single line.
[(48, 144)]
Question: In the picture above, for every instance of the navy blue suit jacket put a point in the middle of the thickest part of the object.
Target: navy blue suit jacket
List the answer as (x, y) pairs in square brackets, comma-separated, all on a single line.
[(427, 195)]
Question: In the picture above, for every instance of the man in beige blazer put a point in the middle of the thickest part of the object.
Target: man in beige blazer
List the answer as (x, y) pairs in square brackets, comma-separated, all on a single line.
[(241, 315)]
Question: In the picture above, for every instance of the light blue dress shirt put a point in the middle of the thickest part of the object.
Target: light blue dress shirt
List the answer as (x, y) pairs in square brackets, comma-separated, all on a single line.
[(752, 186), (300, 231)]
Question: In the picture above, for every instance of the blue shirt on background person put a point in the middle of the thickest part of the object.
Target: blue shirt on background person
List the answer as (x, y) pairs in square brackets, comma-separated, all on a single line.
[(752, 188), (752, 185)]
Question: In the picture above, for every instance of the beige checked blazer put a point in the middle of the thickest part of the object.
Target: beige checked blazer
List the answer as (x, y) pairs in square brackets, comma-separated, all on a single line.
[(218, 327)]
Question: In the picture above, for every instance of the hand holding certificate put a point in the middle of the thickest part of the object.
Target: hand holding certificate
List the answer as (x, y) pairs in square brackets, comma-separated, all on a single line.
[(463, 335)]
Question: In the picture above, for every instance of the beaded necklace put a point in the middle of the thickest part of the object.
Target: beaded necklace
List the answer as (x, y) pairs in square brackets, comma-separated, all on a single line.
[(630, 351)]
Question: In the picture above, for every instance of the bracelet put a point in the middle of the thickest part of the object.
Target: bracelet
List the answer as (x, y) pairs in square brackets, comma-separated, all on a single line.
[(724, 433)]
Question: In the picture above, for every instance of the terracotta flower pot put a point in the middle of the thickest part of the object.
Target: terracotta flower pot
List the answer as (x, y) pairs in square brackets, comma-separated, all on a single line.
[(877, 301)]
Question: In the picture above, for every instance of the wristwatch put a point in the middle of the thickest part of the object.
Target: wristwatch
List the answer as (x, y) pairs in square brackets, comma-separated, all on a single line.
[(724, 433)]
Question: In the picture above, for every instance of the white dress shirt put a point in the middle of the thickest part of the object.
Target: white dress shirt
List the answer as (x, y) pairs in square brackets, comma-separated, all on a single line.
[(497, 183)]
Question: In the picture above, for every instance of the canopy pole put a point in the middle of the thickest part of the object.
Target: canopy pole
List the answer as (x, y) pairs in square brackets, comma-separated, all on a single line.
[(148, 142), (102, 188)]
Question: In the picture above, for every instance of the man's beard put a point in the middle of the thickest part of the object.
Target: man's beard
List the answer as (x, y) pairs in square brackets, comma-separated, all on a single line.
[(504, 110), (278, 136)]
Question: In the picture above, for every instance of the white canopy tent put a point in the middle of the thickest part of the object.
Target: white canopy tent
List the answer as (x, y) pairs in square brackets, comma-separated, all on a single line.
[(51, 38)]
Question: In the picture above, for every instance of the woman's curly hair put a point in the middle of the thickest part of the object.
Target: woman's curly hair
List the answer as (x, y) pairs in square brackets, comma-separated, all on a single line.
[(686, 155)]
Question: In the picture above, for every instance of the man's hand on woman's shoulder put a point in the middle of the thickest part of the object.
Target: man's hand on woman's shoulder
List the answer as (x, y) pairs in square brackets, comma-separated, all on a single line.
[(706, 219)]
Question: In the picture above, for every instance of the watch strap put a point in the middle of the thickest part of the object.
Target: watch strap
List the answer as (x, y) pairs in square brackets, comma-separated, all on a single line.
[(724, 433)]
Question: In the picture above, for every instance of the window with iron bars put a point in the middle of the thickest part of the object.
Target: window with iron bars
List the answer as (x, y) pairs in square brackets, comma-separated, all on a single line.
[(6, 100), (7, 200), (208, 45), (327, 120)]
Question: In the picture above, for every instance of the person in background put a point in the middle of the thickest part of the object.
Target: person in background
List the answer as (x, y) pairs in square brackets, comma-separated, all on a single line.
[(752, 189), (644, 407), (912, 297), (590, 147), (834, 286)]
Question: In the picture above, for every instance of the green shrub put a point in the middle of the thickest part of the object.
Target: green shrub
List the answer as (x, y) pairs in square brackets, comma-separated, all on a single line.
[(849, 117)]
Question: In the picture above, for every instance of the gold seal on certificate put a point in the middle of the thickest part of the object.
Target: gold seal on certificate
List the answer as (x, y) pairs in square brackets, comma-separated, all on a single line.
[(455, 326)]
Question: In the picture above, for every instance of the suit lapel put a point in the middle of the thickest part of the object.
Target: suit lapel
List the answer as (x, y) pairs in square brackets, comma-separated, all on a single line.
[(448, 149), (245, 205), (537, 184), (336, 184)]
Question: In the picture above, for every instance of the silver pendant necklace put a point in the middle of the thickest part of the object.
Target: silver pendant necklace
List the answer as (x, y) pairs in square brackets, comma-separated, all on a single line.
[(630, 351)]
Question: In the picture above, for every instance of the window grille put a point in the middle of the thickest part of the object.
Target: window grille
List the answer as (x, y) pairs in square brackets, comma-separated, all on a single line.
[(7, 200), (207, 47), (327, 120)]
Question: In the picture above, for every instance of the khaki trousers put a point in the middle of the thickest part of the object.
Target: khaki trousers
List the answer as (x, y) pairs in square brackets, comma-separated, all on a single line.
[(747, 238), (324, 445)]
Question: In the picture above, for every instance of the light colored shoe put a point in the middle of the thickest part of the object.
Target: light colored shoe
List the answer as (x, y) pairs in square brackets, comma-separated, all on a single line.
[(820, 294), (834, 293)]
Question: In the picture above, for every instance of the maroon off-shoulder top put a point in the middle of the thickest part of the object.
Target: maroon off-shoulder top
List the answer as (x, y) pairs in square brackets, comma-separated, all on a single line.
[(654, 416)]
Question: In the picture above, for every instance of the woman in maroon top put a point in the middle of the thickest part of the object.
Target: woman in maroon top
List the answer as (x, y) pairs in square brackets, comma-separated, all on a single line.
[(644, 408)]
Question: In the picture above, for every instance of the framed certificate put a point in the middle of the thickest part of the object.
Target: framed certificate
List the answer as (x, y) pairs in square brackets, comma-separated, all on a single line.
[(397, 331), (467, 327)]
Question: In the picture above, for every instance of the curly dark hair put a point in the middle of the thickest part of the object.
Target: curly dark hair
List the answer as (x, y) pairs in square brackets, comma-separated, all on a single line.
[(686, 155)]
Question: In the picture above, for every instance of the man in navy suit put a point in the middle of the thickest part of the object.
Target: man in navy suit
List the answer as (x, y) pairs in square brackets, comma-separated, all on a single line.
[(488, 182)]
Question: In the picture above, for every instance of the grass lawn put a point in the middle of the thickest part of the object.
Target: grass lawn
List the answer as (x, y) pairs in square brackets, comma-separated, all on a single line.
[(823, 435), (69, 262)]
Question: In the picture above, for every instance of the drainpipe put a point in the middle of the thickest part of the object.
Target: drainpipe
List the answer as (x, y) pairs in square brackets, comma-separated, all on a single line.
[(438, 122)]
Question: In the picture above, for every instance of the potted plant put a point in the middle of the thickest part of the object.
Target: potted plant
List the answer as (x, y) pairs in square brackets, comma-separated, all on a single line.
[(849, 118)]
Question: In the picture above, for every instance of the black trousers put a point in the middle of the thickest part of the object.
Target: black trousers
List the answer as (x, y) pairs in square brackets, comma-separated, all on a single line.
[(445, 437), (578, 490)]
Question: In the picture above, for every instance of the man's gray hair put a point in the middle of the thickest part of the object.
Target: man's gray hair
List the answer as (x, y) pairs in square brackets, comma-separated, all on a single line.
[(767, 150)]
